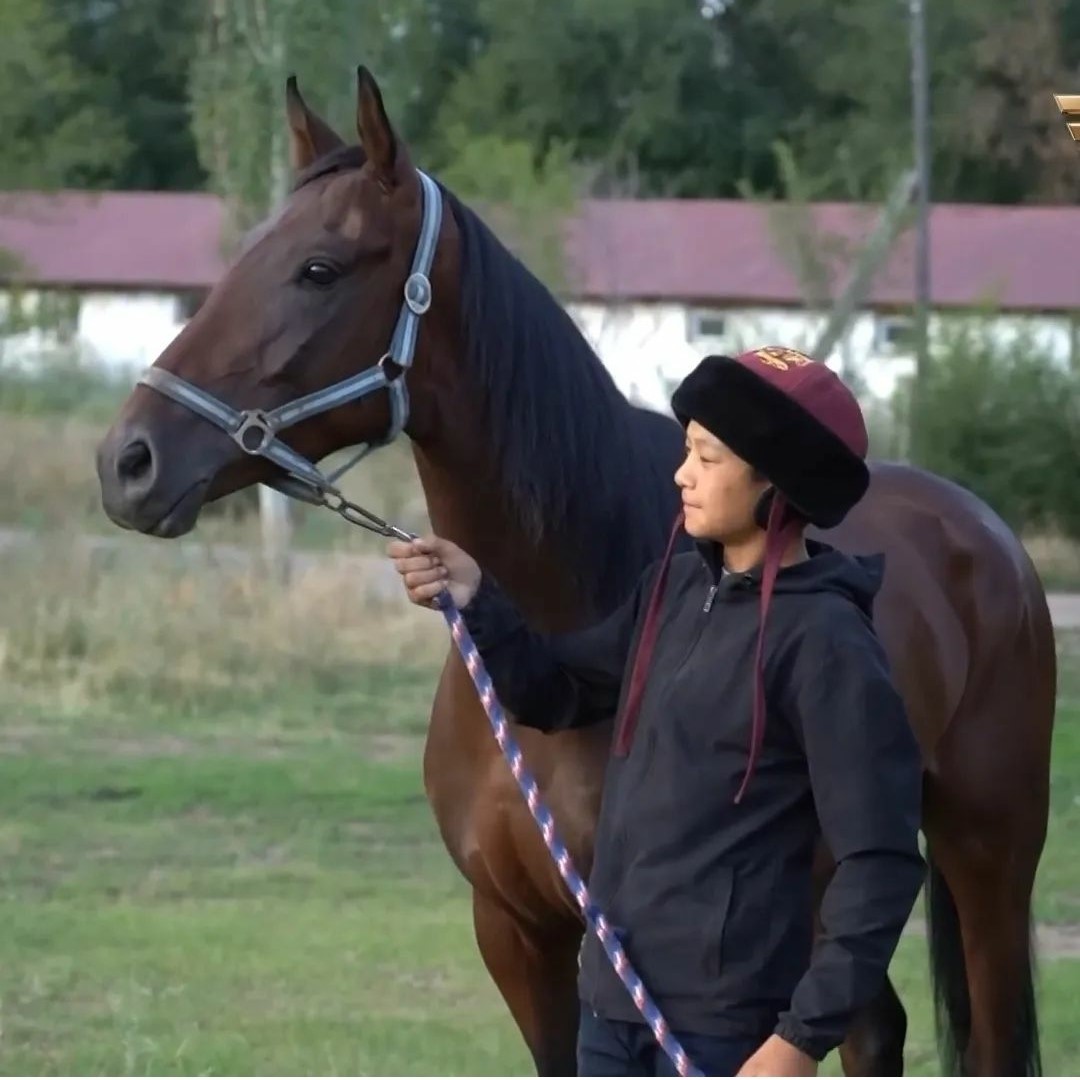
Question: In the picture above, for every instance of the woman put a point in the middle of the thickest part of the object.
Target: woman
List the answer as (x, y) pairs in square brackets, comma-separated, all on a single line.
[(755, 712)]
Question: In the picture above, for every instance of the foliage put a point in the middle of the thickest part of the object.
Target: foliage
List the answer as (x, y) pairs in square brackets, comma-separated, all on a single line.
[(60, 385), (56, 131), (136, 55), (526, 198), (814, 256), (246, 50), (642, 88), (662, 97), (1004, 421)]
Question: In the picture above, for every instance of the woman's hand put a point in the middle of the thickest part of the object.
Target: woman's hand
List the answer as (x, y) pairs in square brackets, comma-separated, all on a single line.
[(429, 565), (776, 1057)]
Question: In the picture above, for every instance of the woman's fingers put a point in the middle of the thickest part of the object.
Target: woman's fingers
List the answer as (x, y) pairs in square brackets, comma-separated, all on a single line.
[(424, 594), (404, 549), (421, 568), (415, 563), (425, 577)]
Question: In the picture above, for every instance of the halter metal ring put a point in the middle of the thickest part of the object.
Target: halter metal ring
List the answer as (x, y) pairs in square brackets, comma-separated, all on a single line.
[(391, 369), (254, 420), (418, 293)]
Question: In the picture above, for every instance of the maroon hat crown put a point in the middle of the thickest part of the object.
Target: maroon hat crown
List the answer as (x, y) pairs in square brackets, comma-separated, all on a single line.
[(814, 386)]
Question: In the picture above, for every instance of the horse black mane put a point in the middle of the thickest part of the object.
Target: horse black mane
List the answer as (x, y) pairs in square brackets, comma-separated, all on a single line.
[(581, 466), (580, 463)]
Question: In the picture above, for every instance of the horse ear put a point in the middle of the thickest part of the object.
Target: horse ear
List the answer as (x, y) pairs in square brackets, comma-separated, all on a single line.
[(310, 136), (376, 135)]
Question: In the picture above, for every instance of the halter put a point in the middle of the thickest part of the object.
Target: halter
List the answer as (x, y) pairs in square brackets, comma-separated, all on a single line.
[(255, 431)]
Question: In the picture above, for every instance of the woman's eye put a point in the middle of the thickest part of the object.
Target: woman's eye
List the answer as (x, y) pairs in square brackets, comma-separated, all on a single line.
[(319, 272)]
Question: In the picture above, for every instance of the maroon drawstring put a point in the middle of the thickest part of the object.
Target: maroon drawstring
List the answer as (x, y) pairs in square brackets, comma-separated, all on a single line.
[(645, 648), (781, 530)]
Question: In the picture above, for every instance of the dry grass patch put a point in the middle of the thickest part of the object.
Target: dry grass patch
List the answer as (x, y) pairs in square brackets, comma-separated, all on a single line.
[(90, 624)]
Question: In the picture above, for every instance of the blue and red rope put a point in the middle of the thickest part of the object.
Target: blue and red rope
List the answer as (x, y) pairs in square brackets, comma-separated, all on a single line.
[(542, 816)]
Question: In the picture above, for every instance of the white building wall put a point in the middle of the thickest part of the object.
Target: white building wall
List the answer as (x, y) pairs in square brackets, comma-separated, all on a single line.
[(128, 330), (123, 332), (648, 347)]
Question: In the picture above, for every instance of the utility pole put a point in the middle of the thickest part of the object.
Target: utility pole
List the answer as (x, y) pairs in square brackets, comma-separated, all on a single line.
[(275, 515), (920, 101)]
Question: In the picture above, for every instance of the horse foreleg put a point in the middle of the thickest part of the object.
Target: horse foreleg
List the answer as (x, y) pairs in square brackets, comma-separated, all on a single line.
[(537, 977), (875, 1042)]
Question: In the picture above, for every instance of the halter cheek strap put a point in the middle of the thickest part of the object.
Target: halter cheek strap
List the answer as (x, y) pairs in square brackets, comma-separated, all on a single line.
[(256, 431)]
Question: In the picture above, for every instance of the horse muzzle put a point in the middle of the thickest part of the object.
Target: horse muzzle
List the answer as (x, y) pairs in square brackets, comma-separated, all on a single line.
[(139, 493)]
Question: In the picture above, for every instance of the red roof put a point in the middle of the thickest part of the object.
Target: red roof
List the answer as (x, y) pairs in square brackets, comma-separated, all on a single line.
[(710, 251), (1022, 257), (128, 239)]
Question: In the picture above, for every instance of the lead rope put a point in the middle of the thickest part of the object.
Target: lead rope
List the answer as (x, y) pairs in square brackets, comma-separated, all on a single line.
[(595, 918), (561, 857)]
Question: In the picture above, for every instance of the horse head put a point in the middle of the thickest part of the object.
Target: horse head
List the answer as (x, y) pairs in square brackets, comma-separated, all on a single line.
[(302, 346)]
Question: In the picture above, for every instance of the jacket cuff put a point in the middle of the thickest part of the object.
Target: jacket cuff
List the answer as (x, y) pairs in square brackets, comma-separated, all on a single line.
[(489, 616), (792, 1031)]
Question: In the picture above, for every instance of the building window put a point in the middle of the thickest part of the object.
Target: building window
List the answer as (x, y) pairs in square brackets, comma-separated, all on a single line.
[(188, 304), (894, 335), (704, 325)]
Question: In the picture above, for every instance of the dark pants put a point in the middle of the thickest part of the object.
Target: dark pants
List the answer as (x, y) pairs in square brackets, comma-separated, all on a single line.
[(619, 1048)]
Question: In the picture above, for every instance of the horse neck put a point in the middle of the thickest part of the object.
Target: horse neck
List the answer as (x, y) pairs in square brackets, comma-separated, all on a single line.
[(465, 505)]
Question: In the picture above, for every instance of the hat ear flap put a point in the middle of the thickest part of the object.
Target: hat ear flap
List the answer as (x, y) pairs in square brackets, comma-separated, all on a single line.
[(764, 508), (764, 505)]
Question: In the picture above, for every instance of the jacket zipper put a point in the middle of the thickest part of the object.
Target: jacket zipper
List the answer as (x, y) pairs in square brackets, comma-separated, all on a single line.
[(706, 608), (702, 623)]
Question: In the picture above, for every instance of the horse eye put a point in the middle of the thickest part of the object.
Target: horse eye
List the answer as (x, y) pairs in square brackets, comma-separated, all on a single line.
[(319, 272)]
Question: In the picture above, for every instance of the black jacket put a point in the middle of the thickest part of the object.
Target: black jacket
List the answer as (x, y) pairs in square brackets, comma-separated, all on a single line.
[(713, 900)]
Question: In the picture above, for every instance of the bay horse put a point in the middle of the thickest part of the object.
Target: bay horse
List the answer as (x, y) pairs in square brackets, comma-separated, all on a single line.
[(532, 460)]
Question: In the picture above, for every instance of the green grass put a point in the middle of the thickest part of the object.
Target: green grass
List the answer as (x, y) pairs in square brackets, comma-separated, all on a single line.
[(251, 882), (191, 900)]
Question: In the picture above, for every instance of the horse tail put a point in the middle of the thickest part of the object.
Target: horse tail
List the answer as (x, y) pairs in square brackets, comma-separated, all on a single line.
[(948, 971), (952, 1001)]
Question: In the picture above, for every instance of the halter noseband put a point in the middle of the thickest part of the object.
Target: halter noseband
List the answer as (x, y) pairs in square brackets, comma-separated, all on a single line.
[(255, 431)]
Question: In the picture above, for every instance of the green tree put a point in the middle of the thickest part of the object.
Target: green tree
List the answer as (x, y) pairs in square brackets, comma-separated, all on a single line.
[(136, 55), (526, 201), (1004, 421), (688, 97), (245, 51), (55, 132), (648, 88), (996, 135), (417, 49), (1013, 130)]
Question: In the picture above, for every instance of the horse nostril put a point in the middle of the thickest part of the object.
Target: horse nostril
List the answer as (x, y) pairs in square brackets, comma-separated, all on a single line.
[(135, 462)]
